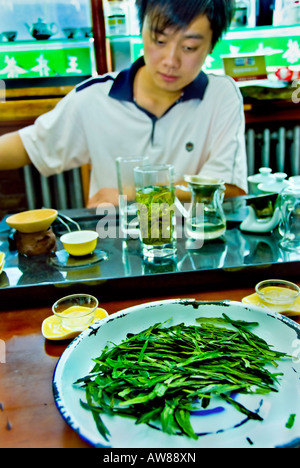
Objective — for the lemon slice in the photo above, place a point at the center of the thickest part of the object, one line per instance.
(2, 261)
(52, 329)
(288, 310)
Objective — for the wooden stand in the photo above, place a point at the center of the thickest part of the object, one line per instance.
(37, 243)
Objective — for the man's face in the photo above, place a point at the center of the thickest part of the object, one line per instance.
(174, 58)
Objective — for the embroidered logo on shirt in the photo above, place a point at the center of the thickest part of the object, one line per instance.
(189, 146)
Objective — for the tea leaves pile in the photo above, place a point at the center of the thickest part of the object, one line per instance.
(163, 373)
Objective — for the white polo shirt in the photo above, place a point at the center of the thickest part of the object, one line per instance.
(99, 121)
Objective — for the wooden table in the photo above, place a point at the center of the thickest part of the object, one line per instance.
(28, 415)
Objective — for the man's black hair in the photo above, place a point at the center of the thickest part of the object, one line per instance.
(179, 14)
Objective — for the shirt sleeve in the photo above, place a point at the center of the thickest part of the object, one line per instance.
(56, 142)
(227, 153)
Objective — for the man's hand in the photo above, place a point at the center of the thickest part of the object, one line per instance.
(233, 191)
(103, 197)
(184, 194)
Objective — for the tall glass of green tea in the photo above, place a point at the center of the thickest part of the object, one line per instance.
(155, 197)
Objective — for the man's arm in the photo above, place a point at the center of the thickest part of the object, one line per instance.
(233, 191)
(185, 195)
(105, 196)
(13, 154)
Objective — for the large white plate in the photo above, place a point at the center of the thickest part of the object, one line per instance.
(221, 429)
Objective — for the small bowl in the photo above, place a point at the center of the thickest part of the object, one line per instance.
(87, 32)
(71, 33)
(277, 292)
(295, 181)
(32, 221)
(263, 177)
(9, 36)
(76, 312)
(276, 186)
(80, 243)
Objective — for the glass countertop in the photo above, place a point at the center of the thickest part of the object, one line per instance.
(117, 270)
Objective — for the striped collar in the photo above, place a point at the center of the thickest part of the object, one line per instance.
(122, 88)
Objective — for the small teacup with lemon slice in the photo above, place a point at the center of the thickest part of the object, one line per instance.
(71, 316)
(277, 295)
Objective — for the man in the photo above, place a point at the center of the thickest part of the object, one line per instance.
(164, 107)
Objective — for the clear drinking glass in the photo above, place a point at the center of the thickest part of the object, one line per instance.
(289, 203)
(76, 312)
(155, 196)
(127, 195)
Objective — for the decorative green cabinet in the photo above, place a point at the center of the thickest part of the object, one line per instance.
(46, 59)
